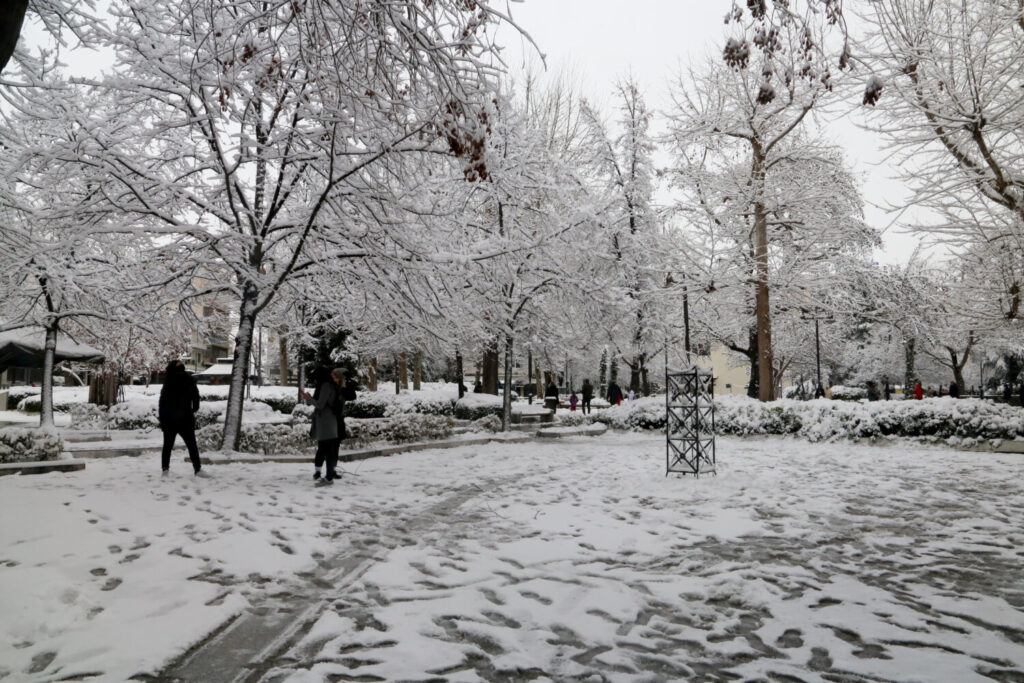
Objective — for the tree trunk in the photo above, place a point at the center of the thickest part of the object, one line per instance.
(506, 402)
(762, 308)
(240, 368)
(958, 376)
(282, 349)
(909, 376)
(634, 373)
(752, 386)
(490, 369)
(46, 393)
(403, 370)
(762, 303)
(371, 380)
(12, 16)
(538, 384)
(417, 371)
(459, 372)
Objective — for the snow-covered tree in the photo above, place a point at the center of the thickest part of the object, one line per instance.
(623, 160)
(245, 130)
(63, 265)
(953, 110)
(769, 206)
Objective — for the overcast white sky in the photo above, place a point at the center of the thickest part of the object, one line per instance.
(603, 40)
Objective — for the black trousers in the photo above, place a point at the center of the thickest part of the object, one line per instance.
(327, 450)
(188, 435)
(586, 406)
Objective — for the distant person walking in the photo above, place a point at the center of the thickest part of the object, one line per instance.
(954, 390)
(179, 401)
(588, 395)
(328, 424)
(614, 394)
(551, 397)
(918, 391)
(631, 395)
(1007, 393)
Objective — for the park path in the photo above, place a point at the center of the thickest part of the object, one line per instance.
(571, 560)
(248, 646)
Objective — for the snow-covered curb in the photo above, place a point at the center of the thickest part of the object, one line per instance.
(595, 429)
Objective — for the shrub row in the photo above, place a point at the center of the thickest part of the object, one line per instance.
(961, 421)
(276, 439)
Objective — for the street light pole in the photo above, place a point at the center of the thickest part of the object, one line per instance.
(817, 348)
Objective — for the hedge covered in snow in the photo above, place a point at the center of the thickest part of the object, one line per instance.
(29, 445)
(142, 413)
(575, 419)
(476, 406)
(839, 392)
(963, 421)
(277, 439)
(34, 404)
(382, 404)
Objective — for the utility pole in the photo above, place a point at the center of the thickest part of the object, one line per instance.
(816, 314)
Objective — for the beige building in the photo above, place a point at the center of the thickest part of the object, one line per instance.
(732, 371)
(210, 338)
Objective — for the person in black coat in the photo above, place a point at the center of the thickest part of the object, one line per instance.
(614, 394)
(551, 397)
(179, 401)
(954, 390)
(588, 394)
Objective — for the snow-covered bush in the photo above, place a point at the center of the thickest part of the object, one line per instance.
(487, 423)
(641, 414)
(370, 404)
(143, 413)
(29, 445)
(281, 404)
(277, 439)
(397, 429)
(745, 416)
(88, 416)
(137, 414)
(575, 419)
(475, 406)
(34, 404)
(841, 393)
(16, 395)
(945, 419)
(302, 412)
(262, 438)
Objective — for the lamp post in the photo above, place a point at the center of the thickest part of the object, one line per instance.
(816, 314)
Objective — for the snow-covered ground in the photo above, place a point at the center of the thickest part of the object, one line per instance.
(570, 559)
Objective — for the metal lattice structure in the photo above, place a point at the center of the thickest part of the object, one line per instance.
(690, 422)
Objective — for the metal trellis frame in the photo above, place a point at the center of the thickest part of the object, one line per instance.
(689, 422)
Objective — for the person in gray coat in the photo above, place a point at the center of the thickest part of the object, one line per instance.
(324, 428)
